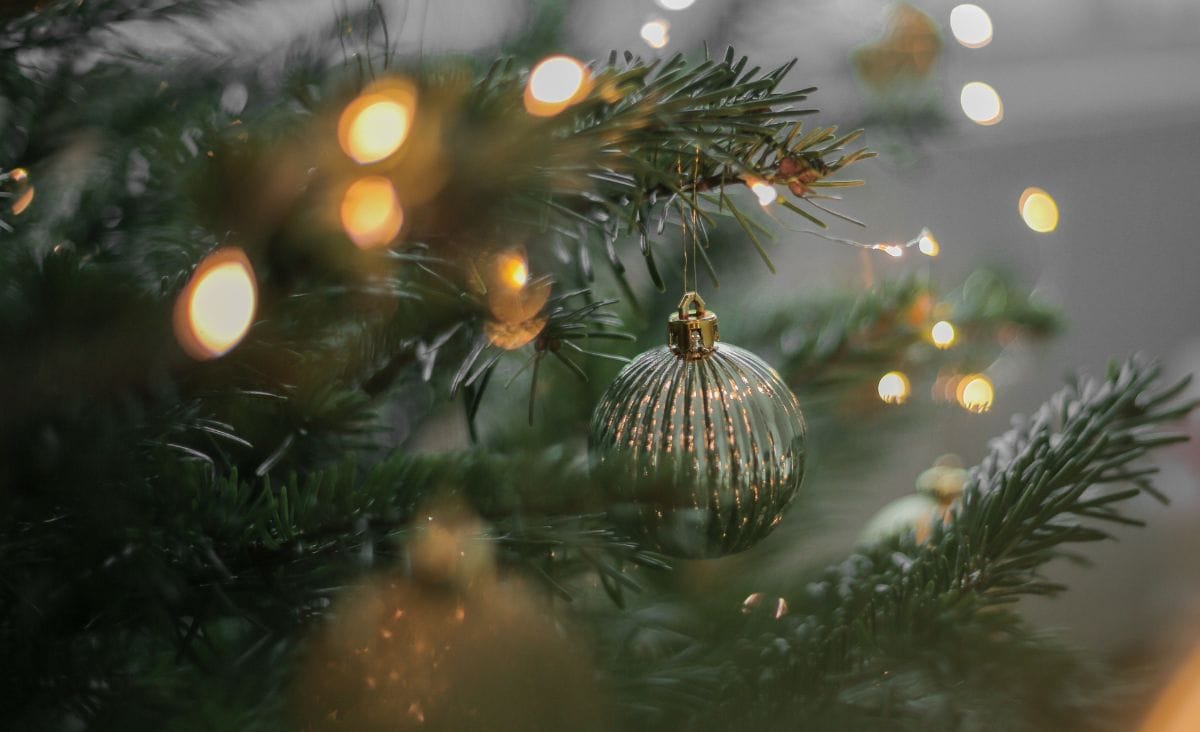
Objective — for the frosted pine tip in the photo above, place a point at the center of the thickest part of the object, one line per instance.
(216, 308)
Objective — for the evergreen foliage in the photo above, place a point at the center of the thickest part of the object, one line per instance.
(174, 530)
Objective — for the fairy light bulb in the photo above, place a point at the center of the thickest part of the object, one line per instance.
(892, 250)
(928, 244)
(554, 84)
(1039, 210)
(376, 123)
(676, 4)
(971, 25)
(981, 103)
(25, 190)
(894, 387)
(975, 393)
(370, 212)
(656, 33)
(942, 334)
(513, 269)
(765, 192)
(216, 308)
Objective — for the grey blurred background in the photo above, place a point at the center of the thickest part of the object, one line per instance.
(1101, 109)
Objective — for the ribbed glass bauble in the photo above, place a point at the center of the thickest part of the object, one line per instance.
(707, 443)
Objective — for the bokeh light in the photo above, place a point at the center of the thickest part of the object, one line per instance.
(942, 334)
(656, 33)
(764, 191)
(23, 195)
(894, 387)
(216, 308)
(1039, 210)
(512, 269)
(928, 244)
(555, 84)
(975, 393)
(971, 25)
(676, 4)
(981, 103)
(375, 124)
(370, 212)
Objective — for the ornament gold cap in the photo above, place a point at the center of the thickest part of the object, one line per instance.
(945, 481)
(692, 331)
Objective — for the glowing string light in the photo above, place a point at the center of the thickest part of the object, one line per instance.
(928, 244)
(216, 308)
(656, 33)
(375, 124)
(370, 212)
(942, 334)
(893, 387)
(981, 103)
(513, 269)
(975, 393)
(25, 189)
(765, 192)
(971, 25)
(554, 84)
(1039, 210)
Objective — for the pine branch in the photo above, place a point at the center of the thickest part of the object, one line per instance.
(1050, 482)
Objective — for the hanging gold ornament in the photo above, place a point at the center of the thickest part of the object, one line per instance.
(938, 490)
(710, 442)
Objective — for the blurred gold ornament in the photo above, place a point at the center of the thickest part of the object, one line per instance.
(939, 489)
(370, 212)
(511, 336)
(377, 122)
(710, 443)
(453, 648)
(554, 84)
(216, 307)
(1178, 707)
(907, 51)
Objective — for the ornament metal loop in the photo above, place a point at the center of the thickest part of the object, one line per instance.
(692, 331)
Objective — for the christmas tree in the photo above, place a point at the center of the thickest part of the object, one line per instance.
(323, 408)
